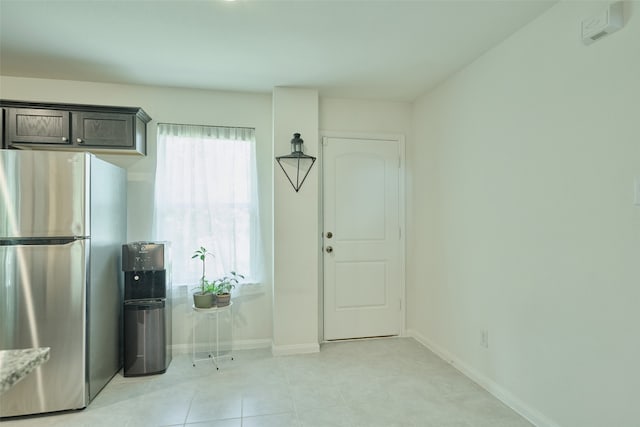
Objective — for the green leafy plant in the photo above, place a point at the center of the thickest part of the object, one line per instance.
(205, 285)
(224, 284)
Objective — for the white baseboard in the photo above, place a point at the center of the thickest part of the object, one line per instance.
(284, 350)
(251, 344)
(237, 345)
(281, 350)
(180, 349)
(499, 392)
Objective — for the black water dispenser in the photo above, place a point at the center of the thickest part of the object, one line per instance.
(147, 308)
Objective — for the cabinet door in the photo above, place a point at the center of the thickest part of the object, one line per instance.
(35, 126)
(103, 129)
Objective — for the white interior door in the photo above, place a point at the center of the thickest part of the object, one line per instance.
(361, 238)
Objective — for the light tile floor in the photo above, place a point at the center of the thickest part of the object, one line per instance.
(380, 382)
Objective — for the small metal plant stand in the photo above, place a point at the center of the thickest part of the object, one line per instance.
(211, 313)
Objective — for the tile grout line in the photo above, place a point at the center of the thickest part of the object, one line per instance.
(293, 401)
(241, 409)
(186, 417)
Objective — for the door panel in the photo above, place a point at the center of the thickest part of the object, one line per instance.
(357, 174)
(43, 194)
(37, 126)
(367, 285)
(43, 305)
(362, 256)
(103, 129)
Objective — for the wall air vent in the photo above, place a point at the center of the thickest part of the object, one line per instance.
(606, 22)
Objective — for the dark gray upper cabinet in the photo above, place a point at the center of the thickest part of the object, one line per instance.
(103, 129)
(117, 130)
(31, 125)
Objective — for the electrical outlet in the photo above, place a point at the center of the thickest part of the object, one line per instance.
(484, 338)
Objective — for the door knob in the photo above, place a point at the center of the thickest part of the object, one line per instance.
(329, 234)
(79, 140)
(329, 249)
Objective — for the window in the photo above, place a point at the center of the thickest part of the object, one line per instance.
(206, 195)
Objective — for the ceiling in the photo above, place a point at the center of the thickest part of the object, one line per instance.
(368, 49)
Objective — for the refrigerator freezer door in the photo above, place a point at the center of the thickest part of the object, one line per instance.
(42, 304)
(43, 194)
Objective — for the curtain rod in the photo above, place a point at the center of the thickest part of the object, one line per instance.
(207, 126)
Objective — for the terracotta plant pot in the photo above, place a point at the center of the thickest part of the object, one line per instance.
(204, 300)
(223, 300)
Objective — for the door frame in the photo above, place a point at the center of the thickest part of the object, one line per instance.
(378, 136)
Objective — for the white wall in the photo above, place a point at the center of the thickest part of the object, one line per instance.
(295, 235)
(365, 116)
(170, 105)
(525, 224)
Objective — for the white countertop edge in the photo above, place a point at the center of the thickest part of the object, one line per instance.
(17, 364)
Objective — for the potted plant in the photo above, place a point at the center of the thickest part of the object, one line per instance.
(205, 297)
(223, 287)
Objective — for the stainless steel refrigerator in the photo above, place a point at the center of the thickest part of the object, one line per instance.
(62, 224)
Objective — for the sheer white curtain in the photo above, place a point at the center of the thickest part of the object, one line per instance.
(206, 195)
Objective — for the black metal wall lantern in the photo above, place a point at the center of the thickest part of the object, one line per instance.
(297, 164)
